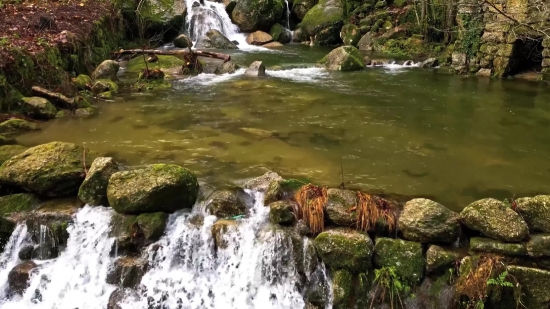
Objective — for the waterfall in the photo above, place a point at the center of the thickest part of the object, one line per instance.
(10, 257)
(76, 279)
(287, 16)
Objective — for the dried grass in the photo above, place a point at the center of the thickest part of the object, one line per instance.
(311, 201)
(474, 284)
(372, 209)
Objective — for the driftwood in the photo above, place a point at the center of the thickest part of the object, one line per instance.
(197, 53)
(54, 97)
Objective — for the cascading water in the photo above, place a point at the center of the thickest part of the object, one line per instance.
(10, 257)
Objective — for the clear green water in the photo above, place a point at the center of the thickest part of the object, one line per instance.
(412, 131)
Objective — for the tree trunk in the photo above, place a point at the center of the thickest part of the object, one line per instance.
(197, 53)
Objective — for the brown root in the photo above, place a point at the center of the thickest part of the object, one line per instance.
(311, 201)
(151, 74)
(372, 209)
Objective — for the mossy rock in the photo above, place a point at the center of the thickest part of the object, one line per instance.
(273, 193)
(108, 69)
(8, 151)
(220, 229)
(340, 207)
(400, 3)
(342, 248)
(344, 58)
(438, 259)
(493, 219)
(215, 39)
(38, 108)
(53, 169)
(301, 7)
(20, 202)
(158, 187)
(253, 15)
(342, 284)
(85, 112)
(151, 225)
(93, 190)
(539, 245)
(103, 85)
(350, 34)
(425, 221)
(536, 212)
(280, 34)
(137, 65)
(534, 285)
(323, 22)
(107, 95)
(15, 126)
(488, 245)
(127, 272)
(281, 212)
(6, 229)
(82, 82)
(61, 114)
(405, 256)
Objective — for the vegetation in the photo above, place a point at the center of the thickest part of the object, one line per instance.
(389, 287)
(373, 209)
(311, 201)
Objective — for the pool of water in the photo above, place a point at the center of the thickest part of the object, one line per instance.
(408, 131)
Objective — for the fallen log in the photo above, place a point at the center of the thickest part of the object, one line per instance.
(57, 99)
(198, 53)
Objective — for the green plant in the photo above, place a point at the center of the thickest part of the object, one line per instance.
(500, 280)
(389, 284)
(470, 41)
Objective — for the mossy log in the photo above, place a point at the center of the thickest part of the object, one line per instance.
(197, 53)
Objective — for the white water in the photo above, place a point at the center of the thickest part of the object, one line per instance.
(10, 257)
(287, 26)
(76, 279)
(300, 74)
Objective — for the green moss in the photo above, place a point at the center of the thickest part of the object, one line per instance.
(342, 288)
(137, 64)
(281, 212)
(488, 245)
(82, 81)
(102, 85)
(13, 126)
(8, 151)
(405, 256)
(318, 18)
(276, 31)
(17, 203)
(343, 248)
(470, 32)
(153, 224)
(107, 95)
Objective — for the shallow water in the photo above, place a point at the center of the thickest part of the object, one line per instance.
(407, 131)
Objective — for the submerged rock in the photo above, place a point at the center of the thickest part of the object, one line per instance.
(53, 169)
(215, 39)
(273, 45)
(182, 41)
(324, 21)
(108, 69)
(257, 68)
(493, 219)
(536, 212)
(425, 221)
(262, 183)
(252, 15)
(439, 259)
(273, 193)
(429, 63)
(280, 34)
(102, 86)
(26, 253)
(9, 151)
(16, 126)
(228, 67)
(539, 245)
(488, 245)
(18, 277)
(225, 204)
(38, 108)
(126, 272)
(93, 190)
(343, 248)
(134, 232)
(281, 212)
(258, 38)
(366, 43)
(159, 187)
(344, 58)
(350, 34)
(220, 229)
(405, 256)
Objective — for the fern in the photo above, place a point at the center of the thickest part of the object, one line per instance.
(501, 280)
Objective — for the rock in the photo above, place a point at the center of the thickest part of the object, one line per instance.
(220, 229)
(228, 67)
(299, 36)
(93, 190)
(126, 272)
(536, 212)
(318, 290)
(438, 260)
(405, 256)
(429, 63)
(53, 169)
(345, 58)
(9, 151)
(343, 248)
(273, 193)
(539, 245)
(38, 108)
(18, 277)
(82, 82)
(225, 203)
(108, 69)
(426, 221)
(350, 34)
(493, 219)
(215, 39)
(339, 207)
(273, 45)
(20, 202)
(262, 183)
(281, 212)
(280, 34)
(301, 7)
(366, 43)
(26, 253)
(158, 187)
(85, 112)
(323, 22)
(252, 15)
(133, 233)
(15, 126)
(6, 229)
(488, 245)
(107, 95)
(257, 68)
(119, 295)
(534, 285)
(182, 41)
(104, 85)
(341, 288)
(258, 38)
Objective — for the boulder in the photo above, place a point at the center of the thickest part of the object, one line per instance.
(323, 22)
(273, 193)
(225, 204)
(366, 43)
(273, 45)
(343, 248)
(6, 229)
(93, 190)
(20, 202)
(133, 233)
(108, 69)
(18, 277)
(493, 219)
(536, 212)
(280, 34)
(9, 151)
(438, 260)
(299, 36)
(429, 63)
(82, 82)
(119, 295)
(252, 15)
(281, 212)
(220, 229)
(350, 34)
(342, 285)
(257, 68)
(426, 221)
(228, 67)
(126, 272)
(488, 245)
(534, 286)
(301, 7)
(215, 39)
(26, 253)
(38, 108)
(258, 38)
(405, 256)
(104, 85)
(16, 126)
(339, 207)
(182, 41)
(344, 58)
(53, 169)
(262, 183)
(158, 187)
(539, 245)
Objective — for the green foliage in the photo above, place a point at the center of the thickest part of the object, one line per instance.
(500, 280)
(471, 34)
(392, 285)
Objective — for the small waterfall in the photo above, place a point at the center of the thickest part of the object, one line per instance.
(287, 26)
(76, 279)
(10, 257)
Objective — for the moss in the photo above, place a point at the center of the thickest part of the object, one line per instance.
(318, 18)
(137, 65)
(143, 85)
(82, 82)
(8, 151)
(17, 203)
(281, 212)
(405, 256)
(107, 95)
(13, 126)
(93, 190)
(342, 288)
(273, 193)
(345, 58)
(293, 184)
(102, 85)
(153, 224)
(276, 31)
(343, 248)
(488, 245)
(438, 260)
(60, 114)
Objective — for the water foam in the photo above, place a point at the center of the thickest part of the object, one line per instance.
(300, 74)
(10, 257)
